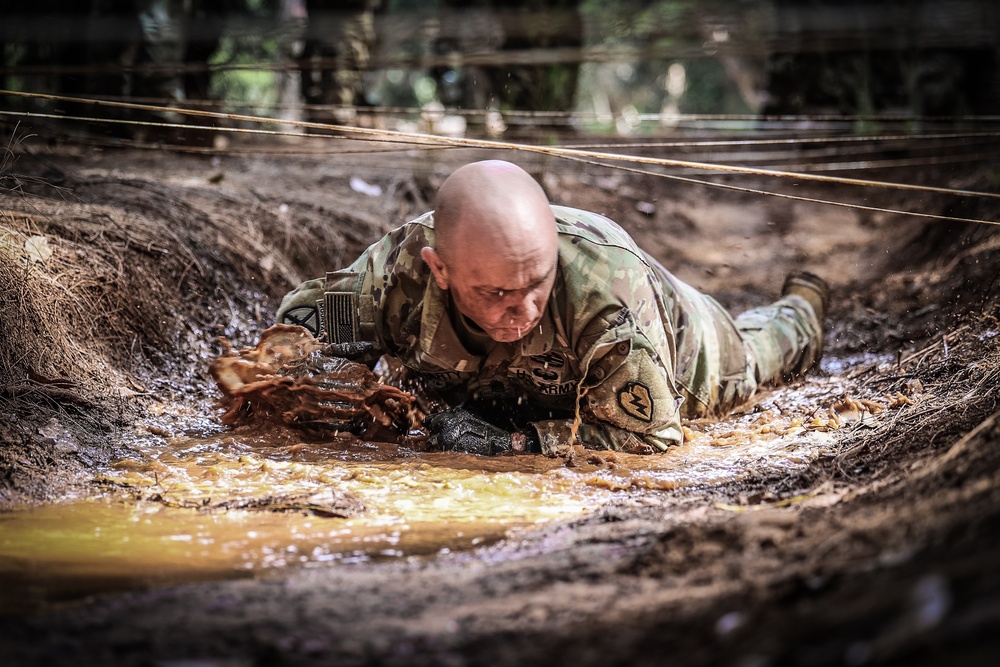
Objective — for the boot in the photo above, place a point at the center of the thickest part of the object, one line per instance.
(810, 287)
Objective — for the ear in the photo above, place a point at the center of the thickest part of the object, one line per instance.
(433, 260)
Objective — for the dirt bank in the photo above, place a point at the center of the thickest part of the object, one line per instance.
(121, 269)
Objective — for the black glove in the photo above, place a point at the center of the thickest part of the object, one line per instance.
(459, 430)
(364, 352)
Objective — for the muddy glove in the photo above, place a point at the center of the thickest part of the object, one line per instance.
(363, 352)
(459, 430)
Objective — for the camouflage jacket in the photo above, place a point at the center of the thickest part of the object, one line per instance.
(619, 350)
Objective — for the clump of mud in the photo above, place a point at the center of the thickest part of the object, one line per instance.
(286, 378)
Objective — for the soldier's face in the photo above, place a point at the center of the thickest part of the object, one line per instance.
(503, 290)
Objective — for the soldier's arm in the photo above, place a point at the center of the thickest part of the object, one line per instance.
(302, 305)
(628, 399)
(306, 304)
(361, 310)
(627, 402)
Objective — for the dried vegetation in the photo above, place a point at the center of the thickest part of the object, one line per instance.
(114, 288)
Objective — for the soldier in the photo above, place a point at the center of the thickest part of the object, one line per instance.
(545, 326)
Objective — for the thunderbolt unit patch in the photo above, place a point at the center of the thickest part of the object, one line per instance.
(635, 400)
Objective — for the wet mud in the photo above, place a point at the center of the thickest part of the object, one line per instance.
(211, 500)
(848, 518)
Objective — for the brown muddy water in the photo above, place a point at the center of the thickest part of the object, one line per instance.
(176, 520)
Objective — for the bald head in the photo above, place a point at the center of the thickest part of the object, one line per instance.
(490, 203)
(496, 247)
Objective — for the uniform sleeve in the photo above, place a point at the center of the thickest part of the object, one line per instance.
(301, 306)
(376, 295)
(304, 304)
(628, 398)
(628, 402)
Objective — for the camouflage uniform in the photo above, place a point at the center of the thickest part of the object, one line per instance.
(623, 352)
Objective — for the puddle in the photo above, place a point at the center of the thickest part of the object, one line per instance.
(415, 504)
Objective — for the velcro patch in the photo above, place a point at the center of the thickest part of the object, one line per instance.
(303, 316)
(635, 399)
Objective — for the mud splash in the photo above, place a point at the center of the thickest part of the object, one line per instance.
(286, 378)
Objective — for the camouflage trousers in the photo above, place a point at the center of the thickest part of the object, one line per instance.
(721, 360)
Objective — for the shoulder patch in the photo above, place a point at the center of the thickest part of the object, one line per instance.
(303, 316)
(635, 399)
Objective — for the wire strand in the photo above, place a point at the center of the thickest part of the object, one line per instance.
(782, 195)
(419, 138)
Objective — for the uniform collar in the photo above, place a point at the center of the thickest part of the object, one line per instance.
(441, 345)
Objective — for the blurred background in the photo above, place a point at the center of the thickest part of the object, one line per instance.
(526, 68)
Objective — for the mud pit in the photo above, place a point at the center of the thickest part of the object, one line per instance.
(852, 518)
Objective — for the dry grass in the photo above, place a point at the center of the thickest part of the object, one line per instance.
(959, 386)
(107, 278)
(66, 319)
(114, 288)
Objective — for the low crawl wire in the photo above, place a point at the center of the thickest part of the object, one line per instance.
(417, 138)
(483, 143)
(782, 195)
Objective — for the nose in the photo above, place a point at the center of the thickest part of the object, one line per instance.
(523, 310)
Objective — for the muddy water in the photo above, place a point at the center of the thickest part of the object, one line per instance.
(399, 503)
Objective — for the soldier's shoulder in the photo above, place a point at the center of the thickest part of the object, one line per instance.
(426, 220)
(601, 266)
(589, 232)
(421, 227)
(401, 246)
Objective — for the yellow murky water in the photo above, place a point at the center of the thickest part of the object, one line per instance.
(416, 504)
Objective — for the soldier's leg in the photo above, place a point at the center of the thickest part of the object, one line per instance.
(339, 38)
(785, 338)
(163, 39)
(715, 369)
(721, 361)
(353, 58)
(732, 378)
